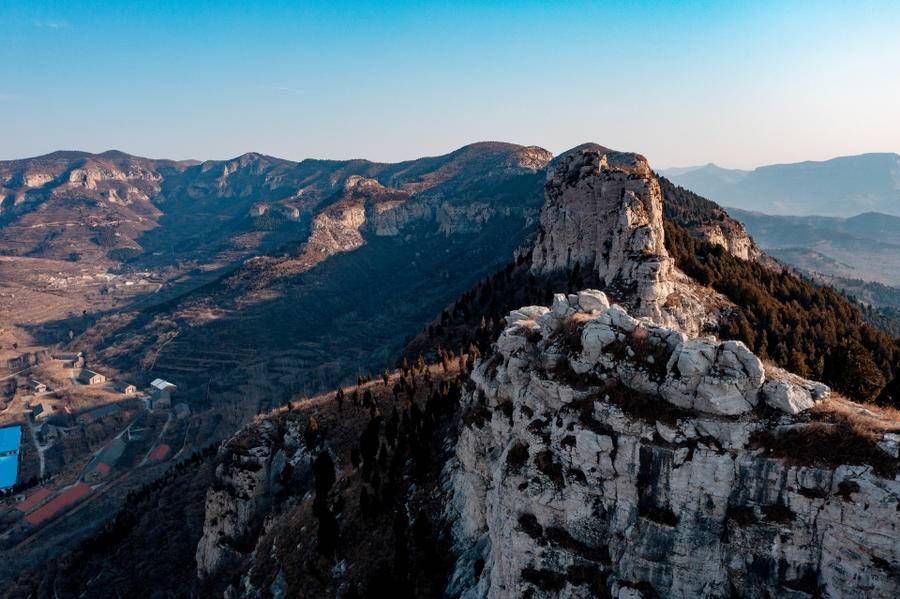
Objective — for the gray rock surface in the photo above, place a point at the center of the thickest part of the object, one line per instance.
(247, 478)
(603, 211)
(634, 474)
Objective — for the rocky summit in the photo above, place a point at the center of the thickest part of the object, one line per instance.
(391, 356)
(607, 444)
(603, 212)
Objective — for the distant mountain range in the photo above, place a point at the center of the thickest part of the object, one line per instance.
(860, 255)
(840, 187)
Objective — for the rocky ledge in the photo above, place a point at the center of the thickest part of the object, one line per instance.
(604, 455)
(254, 466)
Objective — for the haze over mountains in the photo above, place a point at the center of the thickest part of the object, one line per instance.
(842, 187)
(865, 247)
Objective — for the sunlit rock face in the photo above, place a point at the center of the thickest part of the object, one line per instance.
(603, 212)
(606, 455)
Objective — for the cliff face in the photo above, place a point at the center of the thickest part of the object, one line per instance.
(256, 465)
(368, 209)
(616, 457)
(603, 211)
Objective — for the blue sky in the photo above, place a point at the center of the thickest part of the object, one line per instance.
(740, 84)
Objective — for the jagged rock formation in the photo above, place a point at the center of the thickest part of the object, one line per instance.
(263, 538)
(610, 456)
(603, 212)
(736, 243)
(248, 477)
(600, 454)
(707, 221)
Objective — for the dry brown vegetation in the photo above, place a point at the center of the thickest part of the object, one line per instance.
(867, 419)
(838, 432)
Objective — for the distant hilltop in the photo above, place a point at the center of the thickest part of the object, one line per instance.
(843, 186)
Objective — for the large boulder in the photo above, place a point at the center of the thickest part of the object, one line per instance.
(792, 394)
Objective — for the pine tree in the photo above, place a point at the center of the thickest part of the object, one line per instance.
(311, 435)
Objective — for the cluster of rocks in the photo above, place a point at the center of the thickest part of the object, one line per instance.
(606, 455)
(706, 375)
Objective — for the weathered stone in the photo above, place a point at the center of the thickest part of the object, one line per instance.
(688, 508)
(603, 212)
(560, 307)
(791, 393)
(590, 300)
(890, 444)
(526, 313)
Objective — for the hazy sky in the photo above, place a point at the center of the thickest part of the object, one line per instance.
(740, 84)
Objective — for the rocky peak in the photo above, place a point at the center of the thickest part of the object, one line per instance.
(603, 211)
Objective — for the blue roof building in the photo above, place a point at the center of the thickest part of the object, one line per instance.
(10, 437)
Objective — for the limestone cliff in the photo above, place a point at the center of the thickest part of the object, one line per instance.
(616, 457)
(257, 463)
(603, 211)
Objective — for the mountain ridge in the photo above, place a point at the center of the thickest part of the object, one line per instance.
(842, 186)
(570, 473)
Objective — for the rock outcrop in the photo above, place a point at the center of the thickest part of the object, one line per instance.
(605, 455)
(733, 237)
(603, 212)
(250, 474)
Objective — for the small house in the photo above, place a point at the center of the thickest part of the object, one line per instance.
(127, 389)
(182, 411)
(89, 377)
(161, 394)
(37, 386)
